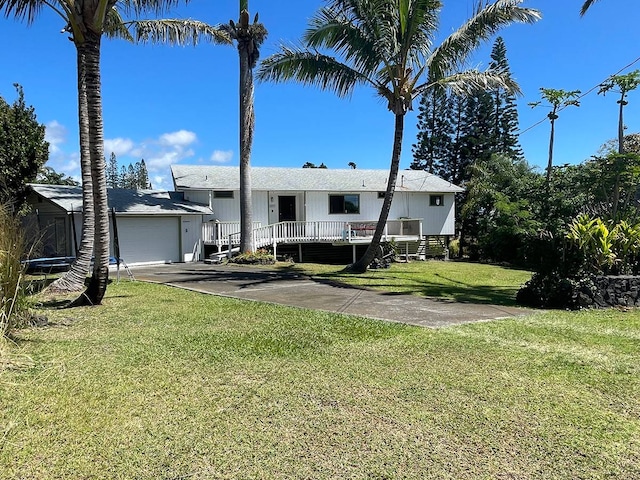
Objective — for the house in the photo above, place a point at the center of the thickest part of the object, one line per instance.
(153, 226)
(304, 211)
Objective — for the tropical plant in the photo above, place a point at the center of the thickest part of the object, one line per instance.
(389, 45)
(596, 240)
(557, 100)
(248, 37)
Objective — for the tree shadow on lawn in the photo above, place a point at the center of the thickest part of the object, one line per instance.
(454, 290)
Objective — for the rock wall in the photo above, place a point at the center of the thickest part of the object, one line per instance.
(610, 291)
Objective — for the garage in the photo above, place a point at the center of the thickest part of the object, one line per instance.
(153, 226)
(149, 239)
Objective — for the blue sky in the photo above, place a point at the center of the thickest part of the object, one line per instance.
(180, 104)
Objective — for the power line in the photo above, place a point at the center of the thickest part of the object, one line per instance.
(581, 95)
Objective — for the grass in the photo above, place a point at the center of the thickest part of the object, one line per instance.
(459, 281)
(161, 383)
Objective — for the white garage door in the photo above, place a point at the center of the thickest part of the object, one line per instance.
(149, 239)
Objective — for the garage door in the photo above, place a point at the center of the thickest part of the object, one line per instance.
(149, 239)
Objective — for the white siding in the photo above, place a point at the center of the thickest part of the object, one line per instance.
(438, 220)
(318, 207)
(197, 196)
(149, 239)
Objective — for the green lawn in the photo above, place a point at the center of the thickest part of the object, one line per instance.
(460, 281)
(160, 383)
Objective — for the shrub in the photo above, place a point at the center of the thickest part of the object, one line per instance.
(13, 304)
(259, 257)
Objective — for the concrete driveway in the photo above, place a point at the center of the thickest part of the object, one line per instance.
(294, 289)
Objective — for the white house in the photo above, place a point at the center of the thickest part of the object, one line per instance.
(309, 207)
(153, 226)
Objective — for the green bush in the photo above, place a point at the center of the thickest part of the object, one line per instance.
(13, 300)
(259, 257)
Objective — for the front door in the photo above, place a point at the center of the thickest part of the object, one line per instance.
(286, 208)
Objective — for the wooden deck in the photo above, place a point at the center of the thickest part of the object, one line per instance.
(223, 234)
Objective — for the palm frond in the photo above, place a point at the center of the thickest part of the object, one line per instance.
(22, 9)
(115, 26)
(340, 28)
(157, 7)
(310, 68)
(470, 81)
(586, 6)
(454, 50)
(178, 32)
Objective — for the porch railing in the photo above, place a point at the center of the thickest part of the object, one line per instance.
(226, 233)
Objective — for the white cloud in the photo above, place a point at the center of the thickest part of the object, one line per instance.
(55, 134)
(181, 138)
(164, 159)
(221, 156)
(119, 146)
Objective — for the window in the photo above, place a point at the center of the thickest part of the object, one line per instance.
(382, 194)
(436, 200)
(344, 203)
(223, 194)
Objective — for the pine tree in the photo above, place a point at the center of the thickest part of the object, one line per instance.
(506, 122)
(122, 182)
(112, 172)
(434, 131)
(142, 176)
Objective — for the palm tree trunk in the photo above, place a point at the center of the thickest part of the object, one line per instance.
(363, 263)
(247, 123)
(74, 279)
(100, 275)
(550, 164)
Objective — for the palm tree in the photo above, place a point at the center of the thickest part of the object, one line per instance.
(87, 21)
(621, 84)
(388, 45)
(248, 37)
(557, 100)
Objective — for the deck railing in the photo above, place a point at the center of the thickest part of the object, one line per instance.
(226, 233)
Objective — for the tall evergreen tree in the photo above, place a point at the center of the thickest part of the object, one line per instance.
(112, 172)
(506, 122)
(434, 131)
(142, 175)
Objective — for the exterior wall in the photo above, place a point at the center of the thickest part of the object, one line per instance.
(197, 196)
(314, 206)
(318, 207)
(228, 209)
(437, 220)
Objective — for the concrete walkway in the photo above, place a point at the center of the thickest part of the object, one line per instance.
(298, 290)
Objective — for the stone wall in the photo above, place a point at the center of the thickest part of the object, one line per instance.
(611, 291)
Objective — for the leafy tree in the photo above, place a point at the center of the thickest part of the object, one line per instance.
(313, 165)
(498, 208)
(557, 100)
(23, 150)
(387, 44)
(248, 37)
(48, 176)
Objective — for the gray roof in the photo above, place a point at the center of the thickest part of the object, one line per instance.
(128, 202)
(193, 177)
